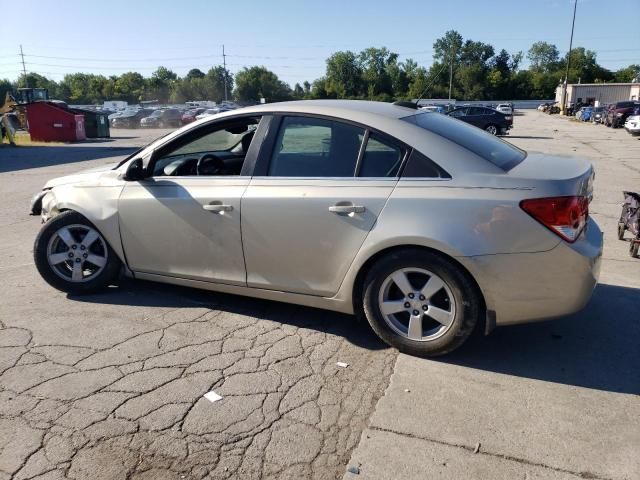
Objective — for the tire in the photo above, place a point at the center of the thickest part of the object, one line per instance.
(457, 300)
(161, 124)
(621, 229)
(63, 239)
(492, 129)
(634, 246)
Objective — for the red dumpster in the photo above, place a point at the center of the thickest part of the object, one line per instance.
(49, 122)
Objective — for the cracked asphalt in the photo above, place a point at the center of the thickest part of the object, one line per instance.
(110, 386)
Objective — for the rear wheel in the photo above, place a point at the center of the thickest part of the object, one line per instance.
(72, 256)
(420, 303)
(492, 129)
(634, 246)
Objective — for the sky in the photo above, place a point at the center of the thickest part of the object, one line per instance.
(293, 38)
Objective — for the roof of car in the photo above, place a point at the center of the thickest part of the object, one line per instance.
(336, 108)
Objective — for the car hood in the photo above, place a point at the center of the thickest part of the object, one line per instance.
(83, 176)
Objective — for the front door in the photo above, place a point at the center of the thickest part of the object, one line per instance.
(322, 186)
(184, 220)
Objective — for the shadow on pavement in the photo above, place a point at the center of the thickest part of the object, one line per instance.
(598, 348)
(145, 294)
(26, 157)
(529, 137)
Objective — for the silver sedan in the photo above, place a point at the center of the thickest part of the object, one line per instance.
(428, 227)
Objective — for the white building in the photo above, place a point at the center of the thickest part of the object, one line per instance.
(599, 93)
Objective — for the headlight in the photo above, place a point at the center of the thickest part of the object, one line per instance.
(619, 114)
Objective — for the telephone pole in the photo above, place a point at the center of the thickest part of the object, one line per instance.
(563, 97)
(450, 74)
(224, 64)
(24, 69)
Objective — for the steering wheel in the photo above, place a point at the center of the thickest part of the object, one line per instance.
(210, 164)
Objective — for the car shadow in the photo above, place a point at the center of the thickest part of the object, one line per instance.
(529, 137)
(150, 294)
(598, 348)
(27, 157)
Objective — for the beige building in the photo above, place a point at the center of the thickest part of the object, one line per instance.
(599, 93)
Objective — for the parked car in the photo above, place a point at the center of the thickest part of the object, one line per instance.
(190, 115)
(208, 112)
(164, 118)
(505, 108)
(492, 121)
(433, 108)
(131, 119)
(618, 113)
(632, 125)
(598, 114)
(584, 114)
(276, 181)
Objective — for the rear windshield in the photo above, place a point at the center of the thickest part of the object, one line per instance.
(502, 154)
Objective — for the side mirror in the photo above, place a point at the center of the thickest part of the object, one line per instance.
(135, 171)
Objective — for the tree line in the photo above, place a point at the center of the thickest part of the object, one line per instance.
(477, 72)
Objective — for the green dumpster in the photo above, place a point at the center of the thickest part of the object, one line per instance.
(96, 124)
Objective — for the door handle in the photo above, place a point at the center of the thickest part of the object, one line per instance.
(346, 209)
(218, 207)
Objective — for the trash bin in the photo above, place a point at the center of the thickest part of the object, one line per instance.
(96, 124)
(51, 122)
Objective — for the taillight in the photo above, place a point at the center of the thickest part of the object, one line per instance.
(564, 216)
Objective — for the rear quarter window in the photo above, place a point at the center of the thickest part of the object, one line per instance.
(494, 150)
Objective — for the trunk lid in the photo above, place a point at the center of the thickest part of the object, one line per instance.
(555, 175)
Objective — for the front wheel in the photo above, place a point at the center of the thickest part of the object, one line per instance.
(420, 303)
(492, 129)
(72, 256)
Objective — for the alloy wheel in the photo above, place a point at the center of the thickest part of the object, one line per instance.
(77, 253)
(417, 304)
(492, 129)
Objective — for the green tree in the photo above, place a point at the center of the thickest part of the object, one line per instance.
(195, 73)
(5, 87)
(130, 87)
(298, 92)
(628, 74)
(543, 57)
(161, 84)
(344, 75)
(375, 63)
(254, 83)
(216, 77)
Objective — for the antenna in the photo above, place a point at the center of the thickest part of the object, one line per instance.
(224, 65)
(444, 65)
(24, 69)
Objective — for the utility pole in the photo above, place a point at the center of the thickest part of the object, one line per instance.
(450, 74)
(563, 97)
(224, 64)
(24, 69)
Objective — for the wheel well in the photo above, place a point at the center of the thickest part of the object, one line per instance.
(364, 269)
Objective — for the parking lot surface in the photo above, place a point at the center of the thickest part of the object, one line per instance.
(111, 386)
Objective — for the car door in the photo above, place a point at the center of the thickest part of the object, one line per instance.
(317, 191)
(479, 117)
(184, 221)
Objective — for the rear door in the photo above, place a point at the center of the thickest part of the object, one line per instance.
(317, 191)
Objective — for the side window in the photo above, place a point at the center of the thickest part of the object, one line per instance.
(315, 147)
(381, 158)
(207, 151)
(459, 113)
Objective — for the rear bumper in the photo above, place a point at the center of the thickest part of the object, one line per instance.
(527, 287)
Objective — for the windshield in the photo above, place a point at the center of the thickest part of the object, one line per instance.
(500, 153)
(125, 160)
